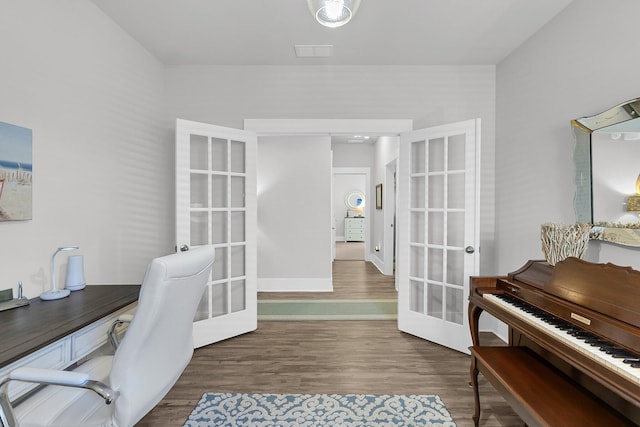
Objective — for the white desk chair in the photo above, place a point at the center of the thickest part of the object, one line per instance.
(119, 390)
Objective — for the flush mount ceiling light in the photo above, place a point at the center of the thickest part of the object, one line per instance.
(333, 13)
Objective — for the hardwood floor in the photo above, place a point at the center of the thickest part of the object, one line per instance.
(333, 357)
(351, 280)
(349, 251)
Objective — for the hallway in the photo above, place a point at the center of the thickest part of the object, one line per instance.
(351, 280)
(349, 251)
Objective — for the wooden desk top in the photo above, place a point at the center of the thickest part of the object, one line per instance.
(26, 329)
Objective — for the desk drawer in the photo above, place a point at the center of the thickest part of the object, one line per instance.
(53, 356)
(94, 336)
(63, 353)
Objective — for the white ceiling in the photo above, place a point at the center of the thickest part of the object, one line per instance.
(383, 32)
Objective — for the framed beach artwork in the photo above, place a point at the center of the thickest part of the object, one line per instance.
(16, 172)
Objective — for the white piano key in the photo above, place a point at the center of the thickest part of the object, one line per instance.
(594, 353)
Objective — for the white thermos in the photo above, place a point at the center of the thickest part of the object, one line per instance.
(75, 273)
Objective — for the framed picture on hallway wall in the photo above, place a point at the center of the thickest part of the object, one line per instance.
(379, 196)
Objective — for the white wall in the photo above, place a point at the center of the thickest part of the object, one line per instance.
(103, 145)
(102, 154)
(102, 149)
(294, 213)
(353, 155)
(581, 63)
(428, 95)
(387, 150)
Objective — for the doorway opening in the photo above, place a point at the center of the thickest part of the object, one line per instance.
(360, 292)
(350, 213)
(355, 282)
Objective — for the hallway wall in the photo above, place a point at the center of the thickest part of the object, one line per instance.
(294, 205)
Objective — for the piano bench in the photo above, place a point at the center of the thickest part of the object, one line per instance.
(539, 393)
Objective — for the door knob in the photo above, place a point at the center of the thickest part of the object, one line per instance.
(184, 248)
(469, 249)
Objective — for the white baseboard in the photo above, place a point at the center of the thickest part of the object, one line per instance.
(373, 259)
(496, 333)
(488, 323)
(301, 284)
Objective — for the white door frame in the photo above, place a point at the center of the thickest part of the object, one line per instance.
(389, 127)
(389, 197)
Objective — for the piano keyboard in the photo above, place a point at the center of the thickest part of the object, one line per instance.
(604, 353)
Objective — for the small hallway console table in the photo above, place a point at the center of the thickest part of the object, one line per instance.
(354, 229)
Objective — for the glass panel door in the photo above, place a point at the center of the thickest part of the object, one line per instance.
(438, 198)
(216, 205)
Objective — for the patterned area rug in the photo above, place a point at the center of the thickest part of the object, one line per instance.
(318, 410)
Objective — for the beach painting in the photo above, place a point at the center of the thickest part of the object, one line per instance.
(16, 172)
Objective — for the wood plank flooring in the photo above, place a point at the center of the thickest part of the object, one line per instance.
(334, 357)
(349, 251)
(351, 280)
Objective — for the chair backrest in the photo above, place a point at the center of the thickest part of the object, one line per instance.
(158, 343)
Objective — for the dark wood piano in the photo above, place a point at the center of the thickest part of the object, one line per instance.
(573, 356)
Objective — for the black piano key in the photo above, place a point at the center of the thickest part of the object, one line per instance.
(583, 337)
(617, 351)
(580, 334)
(620, 356)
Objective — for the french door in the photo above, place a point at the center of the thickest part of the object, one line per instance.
(438, 213)
(216, 199)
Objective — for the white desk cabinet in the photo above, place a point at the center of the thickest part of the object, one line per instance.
(58, 334)
(354, 229)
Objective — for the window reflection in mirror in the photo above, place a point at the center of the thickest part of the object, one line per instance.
(607, 162)
(615, 169)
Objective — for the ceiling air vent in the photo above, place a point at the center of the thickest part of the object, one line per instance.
(314, 50)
